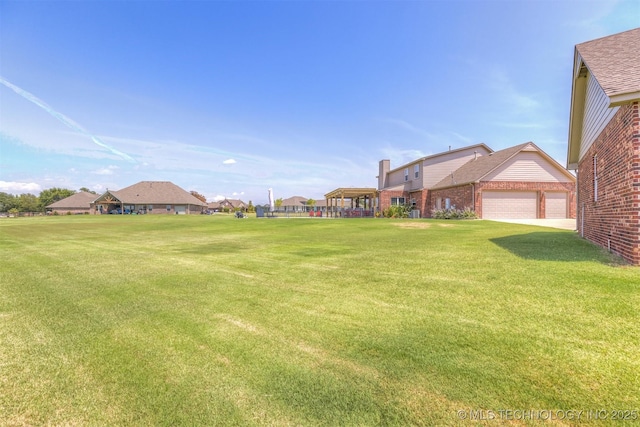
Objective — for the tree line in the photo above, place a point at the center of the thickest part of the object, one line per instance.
(10, 203)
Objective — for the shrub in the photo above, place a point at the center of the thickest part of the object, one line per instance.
(397, 211)
(466, 213)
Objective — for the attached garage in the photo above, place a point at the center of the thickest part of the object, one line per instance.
(555, 205)
(509, 204)
(181, 209)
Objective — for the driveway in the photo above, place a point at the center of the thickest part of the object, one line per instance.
(565, 224)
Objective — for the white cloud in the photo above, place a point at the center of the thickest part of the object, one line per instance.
(109, 170)
(19, 187)
(218, 198)
(229, 162)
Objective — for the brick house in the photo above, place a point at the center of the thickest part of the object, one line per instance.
(604, 141)
(517, 182)
(78, 203)
(411, 182)
(149, 197)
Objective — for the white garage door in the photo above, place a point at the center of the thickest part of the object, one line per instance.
(181, 209)
(555, 205)
(509, 204)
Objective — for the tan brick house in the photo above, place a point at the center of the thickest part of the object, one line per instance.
(604, 141)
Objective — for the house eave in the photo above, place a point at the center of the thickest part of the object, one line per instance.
(623, 98)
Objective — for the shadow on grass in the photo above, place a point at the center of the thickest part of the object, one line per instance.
(553, 246)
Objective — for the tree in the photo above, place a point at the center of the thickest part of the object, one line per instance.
(52, 195)
(199, 196)
(250, 207)
(86, 190)
(28, 203)
(311, 203)
(278, 203)
(7, 202)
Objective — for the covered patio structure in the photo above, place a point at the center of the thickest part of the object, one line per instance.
(362, 202)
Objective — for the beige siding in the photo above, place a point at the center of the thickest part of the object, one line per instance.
(528, 167)
(509, 204)
(596, 114)
(555, 205)
(435, 169)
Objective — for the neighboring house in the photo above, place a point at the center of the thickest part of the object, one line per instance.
(232, 205)
(77, 203)
(604, 141)
(214, 207)
(517, 182)
(410, 183)
(150, 197)
(293, 204)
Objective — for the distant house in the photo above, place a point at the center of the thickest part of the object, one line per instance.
(604, 141)
(518, 182)
(150, 197)
(232, 205)
(294, 204)
(77, 203)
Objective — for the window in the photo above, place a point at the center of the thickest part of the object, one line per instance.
(447, 203)
(168, 208)
(397, 201)
(416, 171)
(406, 174)
(150, 207)
(595, 178)
(439, 203)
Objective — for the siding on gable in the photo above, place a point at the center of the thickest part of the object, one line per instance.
(437, 168)
(596, 114)
(527, 166)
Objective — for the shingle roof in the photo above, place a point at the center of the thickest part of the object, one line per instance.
(156, 192)
(614, 61)
(81, 200)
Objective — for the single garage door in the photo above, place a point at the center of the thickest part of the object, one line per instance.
(555, 205)
(181, 209)
(509, 204)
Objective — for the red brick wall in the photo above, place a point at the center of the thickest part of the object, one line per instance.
(613, 220)
(461, 197)
(421, 198)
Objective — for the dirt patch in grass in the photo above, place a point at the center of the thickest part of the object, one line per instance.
(412, 225)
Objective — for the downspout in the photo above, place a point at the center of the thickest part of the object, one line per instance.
(473, 196)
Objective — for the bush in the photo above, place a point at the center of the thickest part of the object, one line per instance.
(397, 211)
(466, 213)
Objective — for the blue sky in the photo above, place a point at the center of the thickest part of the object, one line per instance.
(232, 98)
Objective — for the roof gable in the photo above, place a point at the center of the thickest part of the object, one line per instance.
(475, 170)
(614, 61)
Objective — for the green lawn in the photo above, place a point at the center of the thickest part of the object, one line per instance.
(211, 320)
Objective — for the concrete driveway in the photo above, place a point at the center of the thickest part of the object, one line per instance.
(565, 224)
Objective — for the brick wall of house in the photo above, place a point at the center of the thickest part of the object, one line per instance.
(613, 220)
(422, 202)
(461, 197)
(386, 195)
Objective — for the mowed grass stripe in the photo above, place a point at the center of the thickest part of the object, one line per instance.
(165, 320)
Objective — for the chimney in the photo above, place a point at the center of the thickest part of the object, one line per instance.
(475, 155)
(383, 171)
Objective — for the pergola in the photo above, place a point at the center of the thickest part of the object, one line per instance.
(368, 196)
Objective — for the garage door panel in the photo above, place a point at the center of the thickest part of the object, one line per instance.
(555, 205)
(509, 204)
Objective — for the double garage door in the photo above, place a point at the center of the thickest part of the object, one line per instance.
(522, 204)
